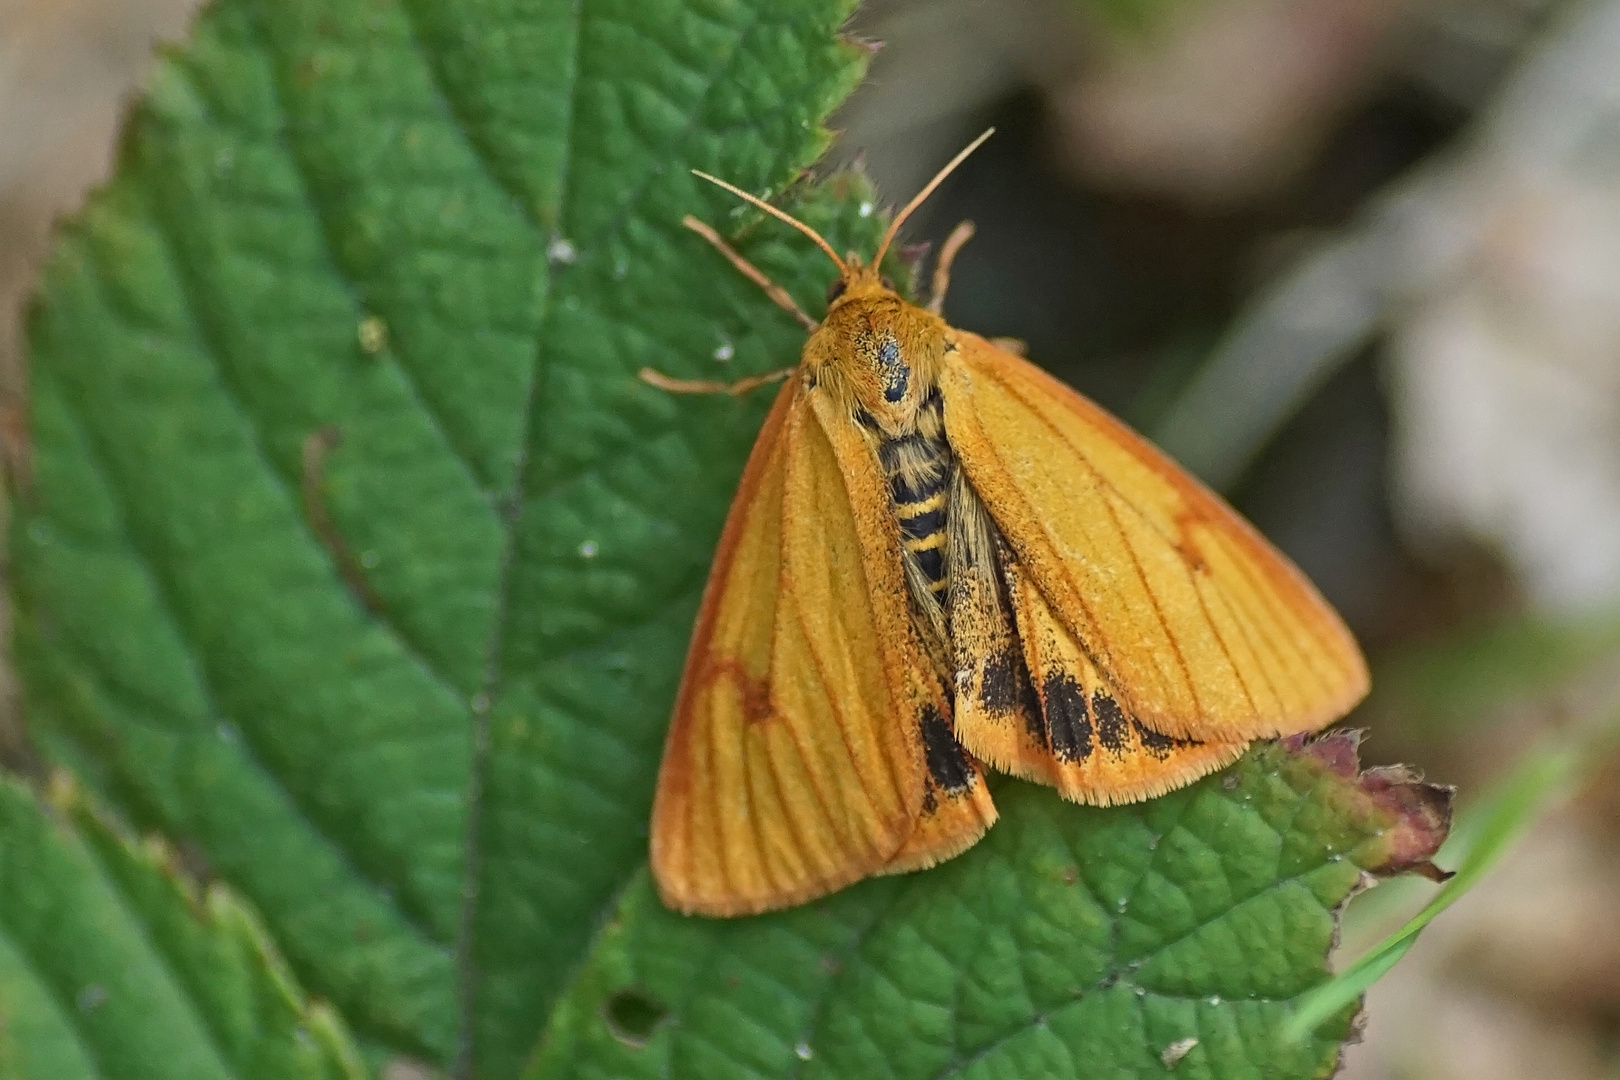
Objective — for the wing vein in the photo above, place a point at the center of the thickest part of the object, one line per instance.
(1243, 629)
(1309, 656)
(750, 809)
(1080, 453)
(839, 715)
(786, 593)
(1152, 594)
(722, 866)
(773, 774)
(1220, 638)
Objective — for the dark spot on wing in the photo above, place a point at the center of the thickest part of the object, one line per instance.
(1067, 725)
(1028, 700)
(1157, 744)
(1005, 689)
(1111, 723)
(755, 692)
(998, 688)
(947, 761)
(1030, 705)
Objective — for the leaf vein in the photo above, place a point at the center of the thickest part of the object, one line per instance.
(163, 590)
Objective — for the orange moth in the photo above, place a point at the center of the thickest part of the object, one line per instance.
(940, 558)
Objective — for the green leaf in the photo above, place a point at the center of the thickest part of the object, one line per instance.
(355, 554)
(1070, 942)
(111, 964)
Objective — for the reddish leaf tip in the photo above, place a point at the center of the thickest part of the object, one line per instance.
(1418, 813)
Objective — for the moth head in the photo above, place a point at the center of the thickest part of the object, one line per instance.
(857, 280)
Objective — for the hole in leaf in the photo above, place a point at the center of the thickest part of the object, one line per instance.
(632, 1017)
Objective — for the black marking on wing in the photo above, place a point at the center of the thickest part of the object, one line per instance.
(947, 762)
(1067, 723)
(998, 689)
(1156, 743)
(1005, 688)
(1022, 683)
(1034, 718)
(1111, 722)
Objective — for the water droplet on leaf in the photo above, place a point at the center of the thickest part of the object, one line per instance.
(373, 335)
(561, 251)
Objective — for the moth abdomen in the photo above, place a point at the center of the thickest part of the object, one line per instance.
(922, 535)
(920, 467)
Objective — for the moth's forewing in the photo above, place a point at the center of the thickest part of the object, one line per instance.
(1198, 626)
(954, 807)
(796, 762)
(783, 778)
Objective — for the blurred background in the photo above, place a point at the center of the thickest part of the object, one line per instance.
(1357, 263)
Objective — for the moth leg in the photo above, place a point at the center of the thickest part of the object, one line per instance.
(751, 272)
(709, 386)
(942, 267)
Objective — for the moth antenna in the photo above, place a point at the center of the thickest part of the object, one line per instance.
(780, 215)
(917, 200)
(942, 267)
